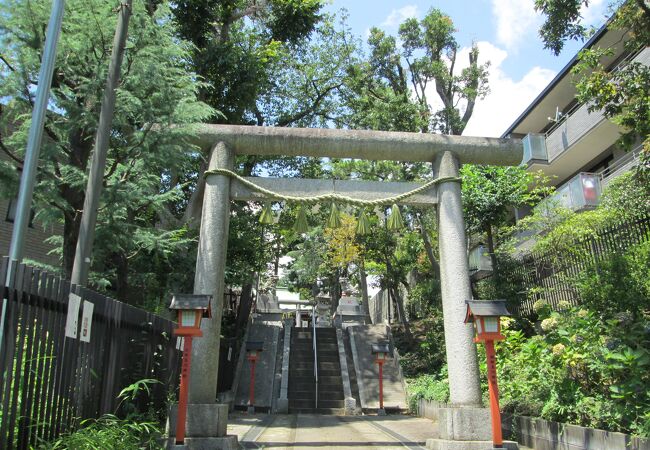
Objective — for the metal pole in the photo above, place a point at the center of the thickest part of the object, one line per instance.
(181, 414)
(493, 388)
(26, 192)
(98, 164)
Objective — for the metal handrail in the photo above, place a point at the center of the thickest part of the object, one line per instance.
(313, 324)
(630, 159)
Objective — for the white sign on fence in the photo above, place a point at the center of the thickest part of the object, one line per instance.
(74, 301)
(86, 321)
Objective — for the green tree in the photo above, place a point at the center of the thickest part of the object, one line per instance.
(238, 42)
(156, 88)
(391, 87)
(490, 193)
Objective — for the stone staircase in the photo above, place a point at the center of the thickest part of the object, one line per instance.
(302, 388)
(367, 373)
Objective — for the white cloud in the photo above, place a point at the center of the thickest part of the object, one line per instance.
(397, 16)
(508, 98)
(515, 20)
(595, 14)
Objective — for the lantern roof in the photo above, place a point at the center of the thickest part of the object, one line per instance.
(254, 345)
(382, 347)
(192, 301)
(485, 308)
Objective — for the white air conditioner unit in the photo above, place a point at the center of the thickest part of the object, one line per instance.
(534, 148)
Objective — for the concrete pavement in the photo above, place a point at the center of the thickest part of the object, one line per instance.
(309, 431)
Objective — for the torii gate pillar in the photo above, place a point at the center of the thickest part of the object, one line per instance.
(464, 386)
(206, 419)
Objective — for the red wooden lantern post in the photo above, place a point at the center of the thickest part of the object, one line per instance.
(381, 352)
(485, 314)
(191, 309)
(253, 349)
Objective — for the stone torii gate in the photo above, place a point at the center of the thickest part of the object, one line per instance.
(206, 419)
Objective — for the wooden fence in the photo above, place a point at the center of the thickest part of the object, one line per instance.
(551, 274)
(50, 381)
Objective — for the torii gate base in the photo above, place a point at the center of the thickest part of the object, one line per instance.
(464, 421)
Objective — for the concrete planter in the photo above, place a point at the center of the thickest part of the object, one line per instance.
(545, 435)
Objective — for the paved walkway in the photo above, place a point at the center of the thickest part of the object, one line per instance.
(308, 431)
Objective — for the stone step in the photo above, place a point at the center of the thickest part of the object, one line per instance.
(323, 411)
(321, 403)
(310, 372)
(324, 380)
(330, 392)
(311, 386)
(332, 365)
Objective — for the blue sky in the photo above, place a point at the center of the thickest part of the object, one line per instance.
(507, 34)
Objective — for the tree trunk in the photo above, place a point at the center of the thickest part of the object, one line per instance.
(365, 301)
(71, 225)
(335, 291)
(493, 256)
(121, 264)
(402, 315)
(245, 305)
(192, 215)
(435, 266)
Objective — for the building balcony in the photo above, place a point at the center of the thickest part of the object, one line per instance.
(580, 192)
(620, 166)
(577, 137)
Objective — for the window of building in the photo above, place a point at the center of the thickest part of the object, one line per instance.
(11, 213)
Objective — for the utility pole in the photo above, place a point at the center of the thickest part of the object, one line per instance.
(83, 251)
(26, 191)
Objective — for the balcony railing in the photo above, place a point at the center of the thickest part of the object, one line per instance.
(580, 192)
(620, 166)
(572, 125)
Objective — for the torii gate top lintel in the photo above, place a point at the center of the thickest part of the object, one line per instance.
(360, 144)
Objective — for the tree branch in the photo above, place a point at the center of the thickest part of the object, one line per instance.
(2, 58)
(11, 154)
(302, 114)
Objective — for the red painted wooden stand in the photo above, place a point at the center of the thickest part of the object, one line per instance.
(251, 390)
(493, 388)
(185, 380)
(381, 383)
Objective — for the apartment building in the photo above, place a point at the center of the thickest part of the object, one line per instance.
(574, 147)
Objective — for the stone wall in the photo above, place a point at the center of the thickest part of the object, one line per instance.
(545, 435)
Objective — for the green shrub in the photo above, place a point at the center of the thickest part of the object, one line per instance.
(628, 195)
(618, 283)
(582, 369)
(138, 430)
(428, 387)
(426, 354)
(108, 433)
